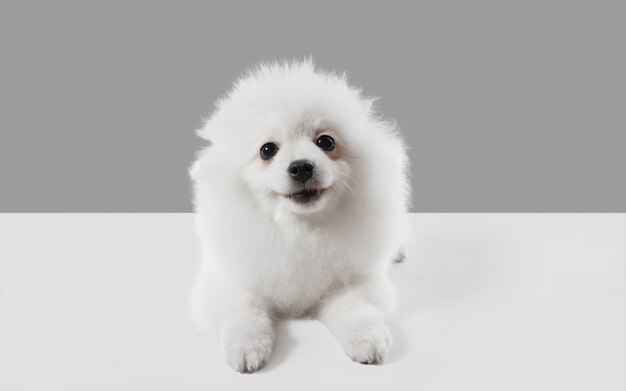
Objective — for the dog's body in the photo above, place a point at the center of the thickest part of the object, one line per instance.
(305, 227)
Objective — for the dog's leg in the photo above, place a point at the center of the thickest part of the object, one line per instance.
(356, 316)
(245, 327)
(247, 338)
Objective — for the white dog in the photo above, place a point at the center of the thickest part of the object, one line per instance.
(301, 201)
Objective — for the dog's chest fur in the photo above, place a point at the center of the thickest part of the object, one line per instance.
(297, 265)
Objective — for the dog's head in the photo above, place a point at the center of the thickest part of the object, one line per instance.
(301, 140)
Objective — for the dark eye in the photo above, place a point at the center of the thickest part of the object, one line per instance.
(268, 151)
(326, 143)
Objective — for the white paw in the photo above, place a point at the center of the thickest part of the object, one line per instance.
(247, 341)
(369, 345)
(250, 354)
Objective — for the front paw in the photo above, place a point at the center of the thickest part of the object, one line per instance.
(249, 354)
(247, 341)
(368, 345)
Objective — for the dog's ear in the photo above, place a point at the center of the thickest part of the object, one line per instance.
(369, 104)
(203, 134)
(205, 131)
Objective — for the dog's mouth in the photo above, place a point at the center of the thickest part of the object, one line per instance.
(305, 196)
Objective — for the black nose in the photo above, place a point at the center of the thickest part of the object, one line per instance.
(301, 170)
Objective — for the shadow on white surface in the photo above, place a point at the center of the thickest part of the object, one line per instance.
(284, 346)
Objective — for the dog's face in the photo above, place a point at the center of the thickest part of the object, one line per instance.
(301, 169)
(302, 141)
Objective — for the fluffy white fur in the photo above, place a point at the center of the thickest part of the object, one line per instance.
(266, 257)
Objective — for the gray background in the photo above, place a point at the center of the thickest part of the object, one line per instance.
(507, 107)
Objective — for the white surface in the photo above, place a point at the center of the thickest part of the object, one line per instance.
(487, 301)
